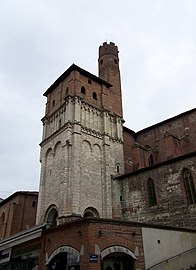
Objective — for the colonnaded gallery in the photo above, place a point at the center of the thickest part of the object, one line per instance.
(109, 198)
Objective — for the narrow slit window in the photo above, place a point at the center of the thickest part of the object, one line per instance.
(117, 167)
(151, 160)
(60, 123)
(34, 203)
(189, 186)
(152, 200)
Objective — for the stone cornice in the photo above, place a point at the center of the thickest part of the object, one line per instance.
(60, 130)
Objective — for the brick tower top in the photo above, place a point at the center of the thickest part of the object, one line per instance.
(110, 72)
(110, 48)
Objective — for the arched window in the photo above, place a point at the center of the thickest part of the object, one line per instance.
(91, 212)
(51, 217)
(117, 167)
(83, 90)
(88, 214)
(152, 200)
(94, 95)
(189, 186)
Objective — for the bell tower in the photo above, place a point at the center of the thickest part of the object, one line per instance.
(82, 143)
(109, 71)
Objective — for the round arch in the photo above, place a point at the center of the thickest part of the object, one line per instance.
(117, 258)
(115, 249)
(48, 152)
(57, 145)
(64, 257)
(91, 212)
(51, 215)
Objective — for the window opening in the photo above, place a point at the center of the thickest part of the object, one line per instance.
(89, 81)
(53, 103)
(118, 168)
(33, 203)
(91, 212)
(88, 214)
(151, 160)
(52, 217)
(60, 123)
(189, 186)
(83, 90)
(94, 95)
(151, 192)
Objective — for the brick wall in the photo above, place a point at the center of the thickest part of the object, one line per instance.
(20, 212)
(169, 139)
(92, 237)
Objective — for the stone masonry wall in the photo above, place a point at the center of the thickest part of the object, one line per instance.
(78, 159)
(172, 206)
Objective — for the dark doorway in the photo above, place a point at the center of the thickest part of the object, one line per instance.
(117, 261)
(65, 261)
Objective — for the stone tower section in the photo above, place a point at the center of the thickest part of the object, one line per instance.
(81, 148)
(110, 72)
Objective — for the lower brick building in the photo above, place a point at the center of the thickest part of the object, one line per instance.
(90, 243)
(17, 213)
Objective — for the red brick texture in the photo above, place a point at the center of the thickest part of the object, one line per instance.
(88, 233)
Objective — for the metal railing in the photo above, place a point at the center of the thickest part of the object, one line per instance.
(167, 261)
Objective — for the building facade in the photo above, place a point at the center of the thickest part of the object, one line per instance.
(17, 213)
(160, 179)
(109, 198)
(94, 166)
(82, 143)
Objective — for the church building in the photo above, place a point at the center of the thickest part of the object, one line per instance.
(109, 198)
(93, 166)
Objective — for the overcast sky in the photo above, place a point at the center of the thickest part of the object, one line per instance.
(40, 39)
